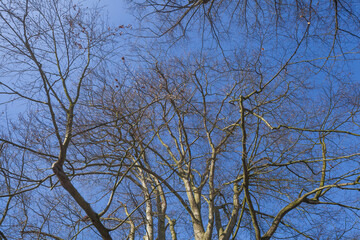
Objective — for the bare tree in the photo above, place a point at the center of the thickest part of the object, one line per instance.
(49, 48)
(250, 155)
(290, 90)
(246, 132)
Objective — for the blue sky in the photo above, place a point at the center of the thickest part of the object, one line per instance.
(118, 15)
(117, 10)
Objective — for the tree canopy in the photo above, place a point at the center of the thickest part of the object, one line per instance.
(202, 120)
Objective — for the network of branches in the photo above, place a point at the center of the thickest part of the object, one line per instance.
(205, 119)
